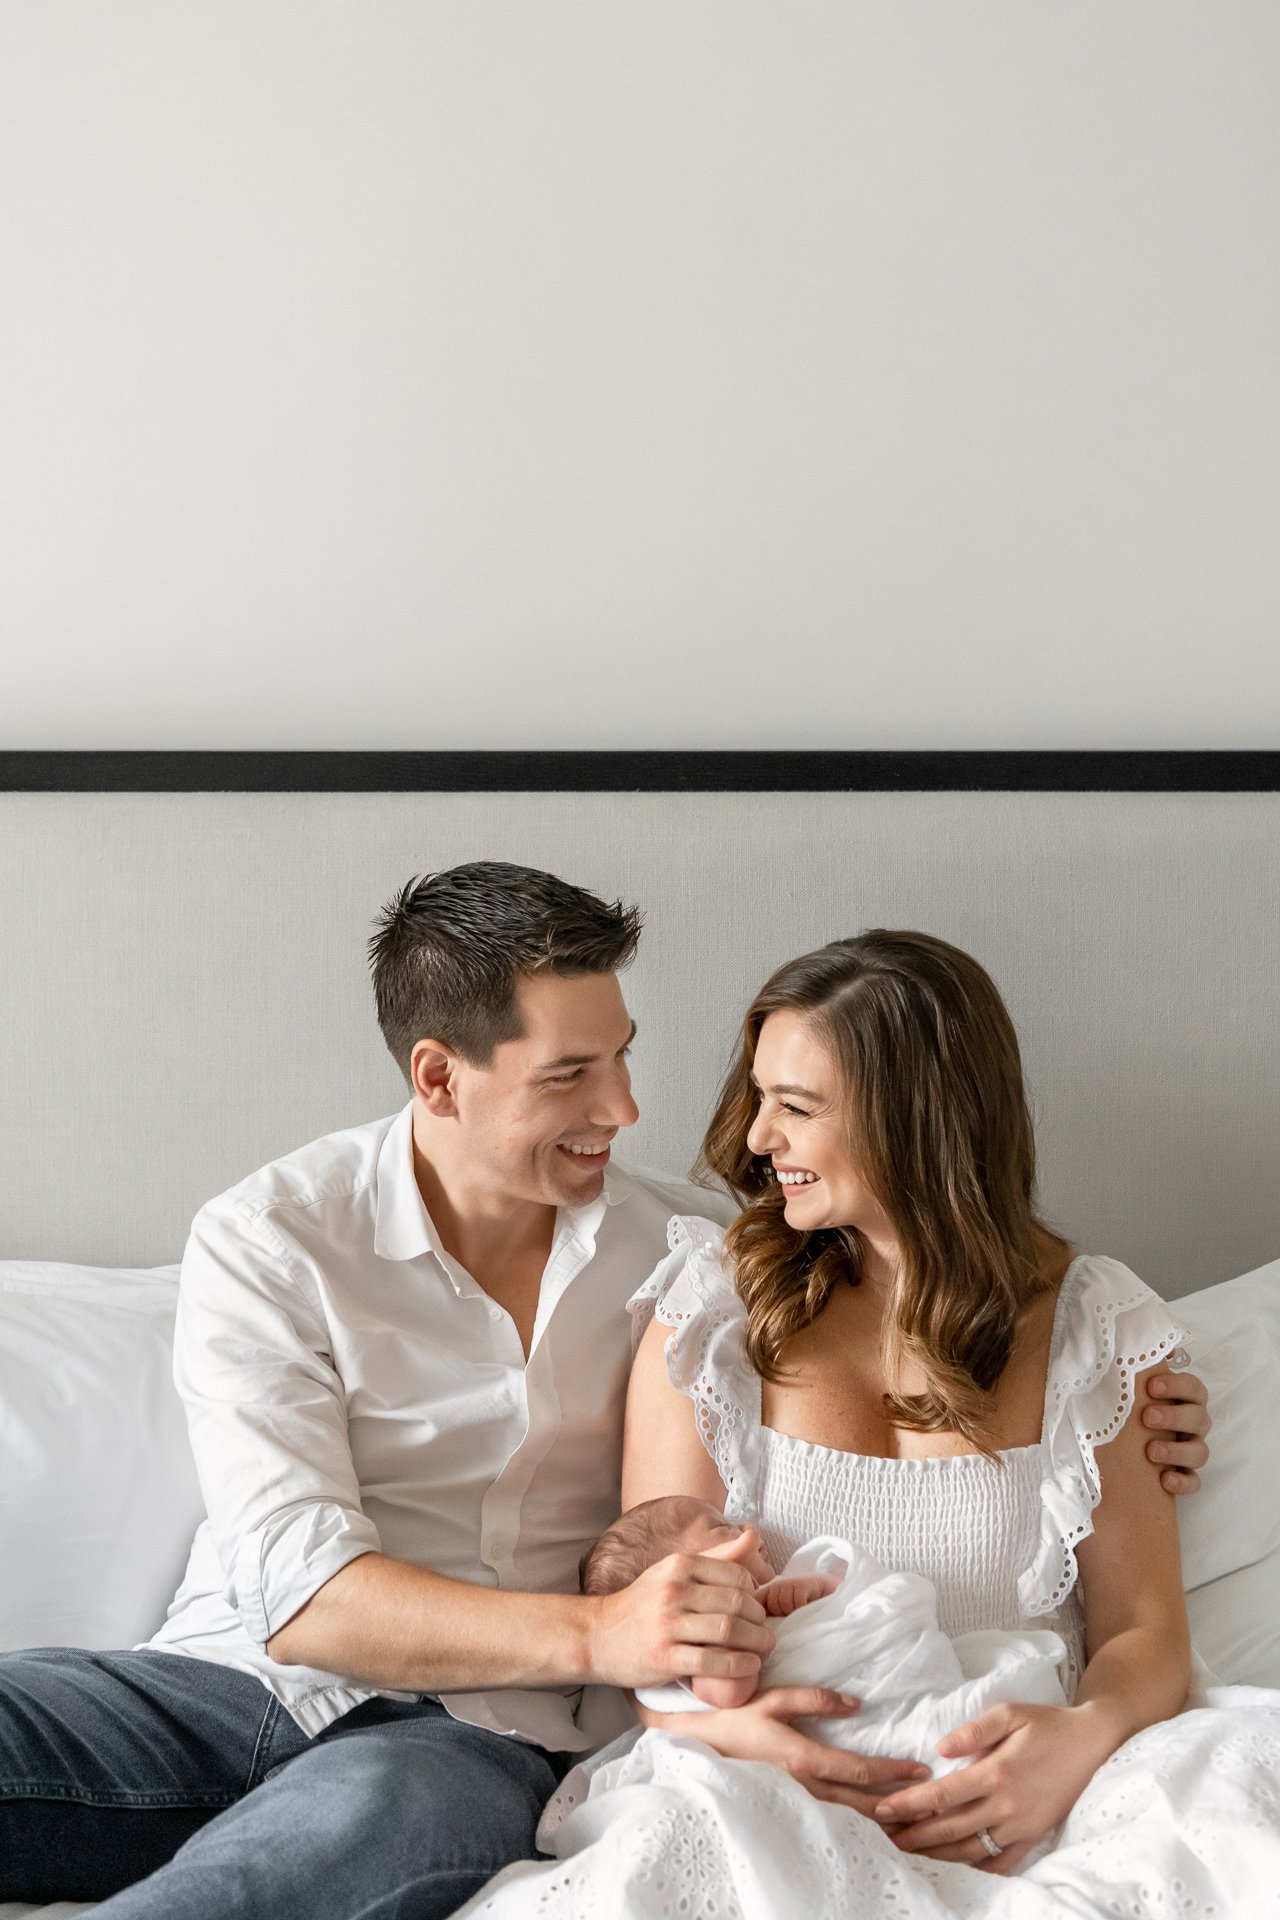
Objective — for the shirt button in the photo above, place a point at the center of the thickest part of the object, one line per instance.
(495, 1313)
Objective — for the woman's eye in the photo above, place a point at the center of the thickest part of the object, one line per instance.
(787, 1108)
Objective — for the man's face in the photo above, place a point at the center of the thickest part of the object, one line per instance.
(539, 1120)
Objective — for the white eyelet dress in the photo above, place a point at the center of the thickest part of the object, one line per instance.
(1184, 1820)
(996, 1536)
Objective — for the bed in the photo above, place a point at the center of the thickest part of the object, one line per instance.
(184, 977)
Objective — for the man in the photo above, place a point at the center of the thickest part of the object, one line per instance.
(403, 1352)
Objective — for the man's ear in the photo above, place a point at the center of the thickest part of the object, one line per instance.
(431, 1071)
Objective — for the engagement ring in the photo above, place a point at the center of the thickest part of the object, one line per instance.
(989, 1843)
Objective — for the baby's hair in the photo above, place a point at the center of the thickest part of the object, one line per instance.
(638, 1538)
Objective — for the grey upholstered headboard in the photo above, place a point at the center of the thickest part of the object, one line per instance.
(185, 995)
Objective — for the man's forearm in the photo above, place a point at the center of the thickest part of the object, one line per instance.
(389, 1624)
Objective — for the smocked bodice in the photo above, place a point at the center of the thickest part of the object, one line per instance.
(969, 1524)
(997, 1537)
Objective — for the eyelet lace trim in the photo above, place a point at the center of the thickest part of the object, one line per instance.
(1108, 1327)
(693, 1295)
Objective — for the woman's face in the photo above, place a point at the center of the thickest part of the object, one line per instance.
(802, 1126)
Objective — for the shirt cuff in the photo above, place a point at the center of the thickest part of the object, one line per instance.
(282, 1563)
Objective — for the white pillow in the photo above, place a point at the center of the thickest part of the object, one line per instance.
(1233, 1337)
(1235, 1624)
(98, 1493)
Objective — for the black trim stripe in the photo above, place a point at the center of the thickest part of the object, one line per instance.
(665, 772)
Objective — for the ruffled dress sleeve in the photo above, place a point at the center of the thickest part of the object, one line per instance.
(1108, 1328)
(692, 1294)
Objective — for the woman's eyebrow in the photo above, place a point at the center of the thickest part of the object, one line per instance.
(805, 1093)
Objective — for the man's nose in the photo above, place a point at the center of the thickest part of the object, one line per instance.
(617, 1108)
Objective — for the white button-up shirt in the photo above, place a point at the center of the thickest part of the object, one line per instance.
(350, 1389)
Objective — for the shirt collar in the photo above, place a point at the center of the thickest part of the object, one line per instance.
(404, 1230)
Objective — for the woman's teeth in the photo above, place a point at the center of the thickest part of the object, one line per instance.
(797, 1179)
(601, 1146)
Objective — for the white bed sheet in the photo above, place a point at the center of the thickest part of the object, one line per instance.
(1235, 1622)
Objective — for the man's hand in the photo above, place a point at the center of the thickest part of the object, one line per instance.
(688, 1616)
(764, 1730)
(1178, 1408)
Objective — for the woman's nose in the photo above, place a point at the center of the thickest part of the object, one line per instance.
(761, 1135)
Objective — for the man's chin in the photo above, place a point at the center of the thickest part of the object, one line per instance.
(576, 1186)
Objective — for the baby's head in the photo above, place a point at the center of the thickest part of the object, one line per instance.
(677, 1523)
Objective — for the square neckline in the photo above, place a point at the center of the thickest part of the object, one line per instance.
(772, 1434)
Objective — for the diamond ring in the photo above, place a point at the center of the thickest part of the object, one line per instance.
(989, 1843)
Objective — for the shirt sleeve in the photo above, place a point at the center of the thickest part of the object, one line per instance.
(267, 1417)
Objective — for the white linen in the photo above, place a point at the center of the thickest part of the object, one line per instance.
(876, 1635)
(98, 1492)
(1184, 1819)
(1233, 1331)
(350, 1389)
(1235, 1620)
(1181, 1821)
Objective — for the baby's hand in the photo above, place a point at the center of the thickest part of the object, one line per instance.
(782, 1596)
(778, 1597)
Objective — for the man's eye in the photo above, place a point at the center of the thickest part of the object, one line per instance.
(565, 1079)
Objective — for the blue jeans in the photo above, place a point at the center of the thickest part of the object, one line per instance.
(174, 1789)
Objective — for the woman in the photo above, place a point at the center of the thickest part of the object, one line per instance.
(890, 1344)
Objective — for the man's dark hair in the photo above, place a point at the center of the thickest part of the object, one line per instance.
(451, 947)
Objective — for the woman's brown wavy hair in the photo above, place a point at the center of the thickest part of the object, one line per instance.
(928, 1062)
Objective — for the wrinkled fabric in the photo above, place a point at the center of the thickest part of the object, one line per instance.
(877, 1636)
(1183, 1821)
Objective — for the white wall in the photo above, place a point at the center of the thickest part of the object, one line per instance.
(469, 373)
(189, 995)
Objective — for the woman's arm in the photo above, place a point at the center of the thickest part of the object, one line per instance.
(1136, 1636)
(663, 1453)
(661, 1450)
(1031, 1764)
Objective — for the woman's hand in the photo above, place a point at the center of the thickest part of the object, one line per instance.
(1031, 1766)
(764, 1729)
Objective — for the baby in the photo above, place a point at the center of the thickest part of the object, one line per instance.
(679, 1523)
(844, 1622)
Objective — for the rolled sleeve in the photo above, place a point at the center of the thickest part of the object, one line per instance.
(267, 1416)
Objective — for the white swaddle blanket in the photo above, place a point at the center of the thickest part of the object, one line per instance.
(877, 1635)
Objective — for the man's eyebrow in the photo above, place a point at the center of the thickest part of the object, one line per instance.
(582, 1059)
